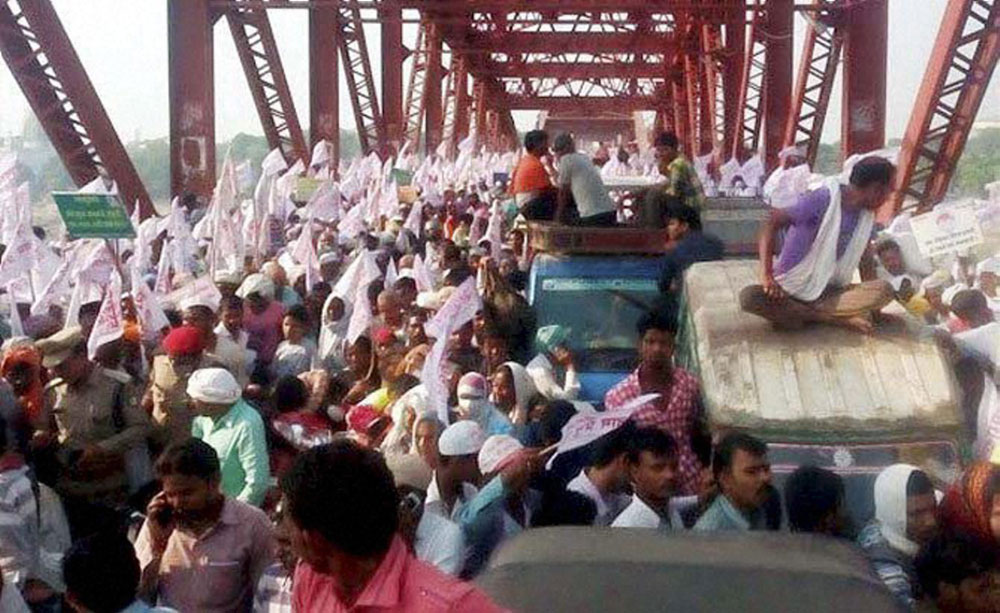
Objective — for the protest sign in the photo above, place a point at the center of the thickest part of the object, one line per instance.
(585, 428)
(305, 187)
(93, 215)
(947, 230)
(401, 177)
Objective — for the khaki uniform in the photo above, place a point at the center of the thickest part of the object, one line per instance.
(171, 404)
(103, 411)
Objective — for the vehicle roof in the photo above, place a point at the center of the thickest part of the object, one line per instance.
(600, 569)
(824, 381)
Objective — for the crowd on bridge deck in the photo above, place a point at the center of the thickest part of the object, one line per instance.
(340, 399)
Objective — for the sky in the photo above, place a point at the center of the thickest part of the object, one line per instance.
(123, 46)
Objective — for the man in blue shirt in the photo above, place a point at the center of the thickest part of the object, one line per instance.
(743, 474)
(690, 244)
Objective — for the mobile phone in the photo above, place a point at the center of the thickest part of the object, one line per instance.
(164, 516)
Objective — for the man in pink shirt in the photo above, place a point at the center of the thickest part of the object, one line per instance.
(343, 514)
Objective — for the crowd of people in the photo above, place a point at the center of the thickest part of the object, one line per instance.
(340, 400)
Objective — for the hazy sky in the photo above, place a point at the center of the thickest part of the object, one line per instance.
(123, 45)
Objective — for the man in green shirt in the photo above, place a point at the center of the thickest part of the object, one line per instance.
(682, 182)
(234, 429)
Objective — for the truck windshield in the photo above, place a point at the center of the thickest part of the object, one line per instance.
(600, 314)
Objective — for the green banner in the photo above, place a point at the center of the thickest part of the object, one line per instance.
(93, 215)
(402, 177)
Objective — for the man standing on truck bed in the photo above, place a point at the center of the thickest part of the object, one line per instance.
(828, 238)
(681, 181)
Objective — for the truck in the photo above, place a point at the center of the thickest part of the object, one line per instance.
(822, 396)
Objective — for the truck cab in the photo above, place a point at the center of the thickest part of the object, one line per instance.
(598, 282)
(824, 396)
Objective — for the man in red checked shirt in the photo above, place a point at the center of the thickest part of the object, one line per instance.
(678, 410)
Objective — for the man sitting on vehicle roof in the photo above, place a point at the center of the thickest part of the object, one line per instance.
(583, 199)
(828, 238)
(533, 190)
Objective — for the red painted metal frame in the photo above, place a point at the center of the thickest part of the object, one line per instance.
(750, 110)
(963, 60)
(777, 77)
(55, 83)
(258, 53)
(324, 84)
(413, 106)
(814, 86)
(392, 71)
(360, 78)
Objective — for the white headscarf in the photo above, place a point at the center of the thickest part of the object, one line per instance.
(524, 390)
(890, 506)
(332, 334)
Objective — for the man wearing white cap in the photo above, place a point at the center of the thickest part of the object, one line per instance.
(505, 506)
(453, 483)
(234, 429)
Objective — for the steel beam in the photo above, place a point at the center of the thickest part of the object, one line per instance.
(777, 77)
(865, 52)
(681, 119)
(433, 109)
(959, 71)
(360, 78)
(750, 110)
(581, 104)
(512, 43)
(577, 70)
(258, 53)
(733, 72)
(55, 83)
(392, 71)
(463, 102)
(324, 86)
(814, 86)
(192, 98)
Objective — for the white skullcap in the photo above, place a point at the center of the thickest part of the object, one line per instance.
(791, 151)
(410, 470)
(991, 265)
(197, 300)
(256, 283)
(461, 438)
(940, 279)
(228, 277)
(214, 386)
(949, 294)
(329, 257)
(497, 452)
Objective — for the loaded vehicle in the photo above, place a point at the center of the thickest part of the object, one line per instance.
(598, 282)
(587, 569)
(823, 396)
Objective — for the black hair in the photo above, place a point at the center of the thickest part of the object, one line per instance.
(554, 417)
(683, 213)
(451, 252)
(174, 317)
(563, 143)
(457, 276)
(374, 289)
(666, 139)
(872, 170)
(919, 484)
(101, 572)
(811, 495)
(726, 450)
(656, 320)
(655, 441)
(290, 394)
(190, 458)
(232, 303)
(612, 445)
(564, 508)
(403, 384)
(404, 281)
(345, 493)
(968, 302)
(535, 139)
(886, 245)
(320, 287)
(298, 313)
(950, 558)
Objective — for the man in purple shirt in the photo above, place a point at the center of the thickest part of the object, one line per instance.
(791, 296)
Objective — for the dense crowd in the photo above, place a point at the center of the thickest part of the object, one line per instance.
(332, 394)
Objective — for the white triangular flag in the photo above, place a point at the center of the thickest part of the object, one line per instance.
(109, 325)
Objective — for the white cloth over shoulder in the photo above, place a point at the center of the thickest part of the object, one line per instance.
(820, 267)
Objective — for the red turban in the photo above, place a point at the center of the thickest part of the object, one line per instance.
(185, 340)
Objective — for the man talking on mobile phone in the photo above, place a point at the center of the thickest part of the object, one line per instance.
(200, 550)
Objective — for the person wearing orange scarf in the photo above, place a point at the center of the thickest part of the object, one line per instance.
(968, 505)
(22, 368)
